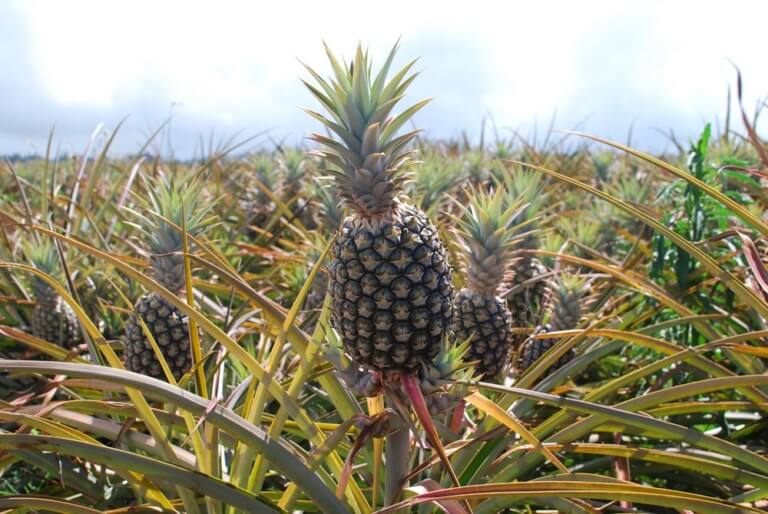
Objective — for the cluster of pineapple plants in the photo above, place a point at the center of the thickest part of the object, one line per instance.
(378, 322)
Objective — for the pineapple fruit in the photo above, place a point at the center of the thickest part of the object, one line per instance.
(177, 202)
(53, 320)
(486, 238)
(389, 276)
(568, 305)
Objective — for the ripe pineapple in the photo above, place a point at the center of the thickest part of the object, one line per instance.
(53, 320)
(568, 305)
(167, 324)
(389, 276)
(487, 243)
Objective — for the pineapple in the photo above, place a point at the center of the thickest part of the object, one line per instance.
(167, 198)
(389, 276)
(487, 243)
(259, 207)
(568, 305)
(528, 299)
(476, 165)
(294, 167)
(53, 320)
(329, 213)
(437, 176)
(328, 217)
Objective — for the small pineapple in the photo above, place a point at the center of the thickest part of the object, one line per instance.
(328, 213)
(167, 198)
(487, 244)
(53, 320)
(328, 218)
(568, 305)
(259, 207)
(295, 273)
(389, 275)
(294, 165)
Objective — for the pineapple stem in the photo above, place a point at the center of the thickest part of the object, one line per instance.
(397, 450)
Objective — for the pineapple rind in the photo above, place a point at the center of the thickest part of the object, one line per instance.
(168, 326)
(391, 289)
(489, 324)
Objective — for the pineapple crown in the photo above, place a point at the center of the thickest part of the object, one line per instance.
(438, 175)
(263, 165)
(42, 255)
(171, 203)
(476, 164)
(568, 303)
(330, 213)
(365, 153)
(487, 238)
(584, 230)
(526, 186)
(450, 364)
(292, 164)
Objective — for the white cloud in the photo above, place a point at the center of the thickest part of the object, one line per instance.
(232, 66)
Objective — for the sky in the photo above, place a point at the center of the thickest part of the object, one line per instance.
(230, 70)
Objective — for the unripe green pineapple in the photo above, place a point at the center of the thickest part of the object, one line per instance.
(568, 305)
(389, 276)
(176, 201)
(53, 320)
(486, 237)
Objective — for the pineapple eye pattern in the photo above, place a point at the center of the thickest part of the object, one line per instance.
(392, 292)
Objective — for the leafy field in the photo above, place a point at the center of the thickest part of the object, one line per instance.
(382, 323)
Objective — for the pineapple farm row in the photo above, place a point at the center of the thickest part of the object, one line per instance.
(378, 322)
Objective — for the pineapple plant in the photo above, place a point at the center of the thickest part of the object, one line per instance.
(328, 213)
(294, 166)
(486, 239)
(328, 216)
(438, 175)
(259, 207)
(476, 165)
(389, 276)
(568, 304)
(53, 320)
(169, 202)
(528, 295)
